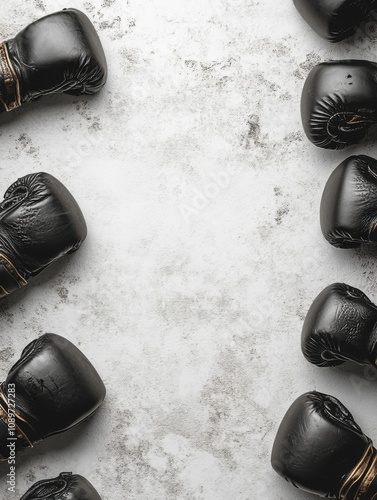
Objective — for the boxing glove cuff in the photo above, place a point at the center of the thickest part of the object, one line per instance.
(14, 428)
(362, 480)
(10, 279)
(10, 95)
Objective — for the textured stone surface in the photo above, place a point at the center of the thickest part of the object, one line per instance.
(204, 252)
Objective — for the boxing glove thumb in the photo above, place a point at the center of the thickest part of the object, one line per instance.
(348, 212)
(40, 222)
(334, 20)
(339, 102)
(320, 449)
(49, 390)
(341, 325)
(59, 53)
(67, 486)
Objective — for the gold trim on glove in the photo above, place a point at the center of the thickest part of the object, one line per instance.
(357, 119)
(11, 269)
(368, 478)
(12, 99)
(364, 472)
(21, 436)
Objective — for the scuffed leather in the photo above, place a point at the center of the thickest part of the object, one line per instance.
(56, 387)
(335, 20)
(339, 102)
(348, 212)
(318, 444)
(40, 221)
(67, 486)
(60, 52)
(341, 325)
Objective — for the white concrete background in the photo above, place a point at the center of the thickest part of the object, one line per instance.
(204, 252)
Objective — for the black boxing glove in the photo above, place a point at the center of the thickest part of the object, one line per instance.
(319, 448)
(335, 20)
(348, 212)
(58, 53)
(341, 325)
(49, 390)
(67, 486)
(339, 103)
(40, 222)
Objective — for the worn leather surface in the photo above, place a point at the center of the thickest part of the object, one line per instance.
(56, 387)
(339, 102)
(341, 325)
(318, 444)
(335, 20)
(348, 211)
(60, 52)
(67, 486)
(40, 221)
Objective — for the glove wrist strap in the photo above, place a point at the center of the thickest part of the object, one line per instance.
(24, 435)
(10, 279)
(360, 483)
(10, 95)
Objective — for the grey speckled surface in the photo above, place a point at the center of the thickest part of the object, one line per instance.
(204, 252)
